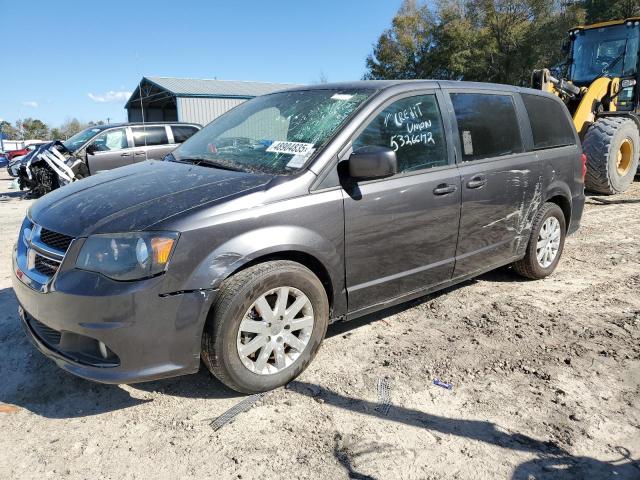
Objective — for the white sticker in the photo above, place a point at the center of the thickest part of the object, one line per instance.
(467, 142)
(298, 160)
(291, 148)
(341, 96)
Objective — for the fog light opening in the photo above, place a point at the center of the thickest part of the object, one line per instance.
(103, 350)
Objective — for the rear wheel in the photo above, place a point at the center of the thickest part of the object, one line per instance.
(266, 326)
(612, 146)
(545, 244)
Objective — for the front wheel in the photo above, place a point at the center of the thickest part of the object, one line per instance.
(545, 245)
(266, 326)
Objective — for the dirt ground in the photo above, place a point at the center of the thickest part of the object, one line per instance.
(545, 374)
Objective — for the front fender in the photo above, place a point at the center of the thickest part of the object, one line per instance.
(251, 245)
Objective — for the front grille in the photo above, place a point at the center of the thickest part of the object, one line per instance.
(46, 334)
(55, 240)
(45, 266)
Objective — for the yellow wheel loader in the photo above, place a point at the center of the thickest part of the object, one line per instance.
(599, 84)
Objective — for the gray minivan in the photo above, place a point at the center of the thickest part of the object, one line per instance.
(291, 211)
(117, 145)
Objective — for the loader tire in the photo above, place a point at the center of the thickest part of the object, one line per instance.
(612, 146)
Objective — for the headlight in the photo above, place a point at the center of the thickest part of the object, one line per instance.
(127, 256)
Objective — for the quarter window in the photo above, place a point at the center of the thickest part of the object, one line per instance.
(550, 123)
(149, 136)
(182, 132)
(487, 125)
(111, 140)
(412, 127)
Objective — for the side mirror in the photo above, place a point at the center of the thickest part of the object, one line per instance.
(372, 162)
(91, 149)
(566, 46)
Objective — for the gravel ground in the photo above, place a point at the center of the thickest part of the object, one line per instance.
(545, 374)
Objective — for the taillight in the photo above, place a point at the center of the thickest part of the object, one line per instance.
(584, 166)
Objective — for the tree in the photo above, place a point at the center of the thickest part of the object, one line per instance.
(8, 131)
(401, 50)
(32, 128)
(601, 10)
(70, 127)
(56, 134)
(483, 40)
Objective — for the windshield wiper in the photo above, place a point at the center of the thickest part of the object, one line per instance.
(613, 63)
(221, 164)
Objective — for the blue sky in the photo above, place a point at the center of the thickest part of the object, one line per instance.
(65, 59)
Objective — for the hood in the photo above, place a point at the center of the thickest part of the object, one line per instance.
(135, 197)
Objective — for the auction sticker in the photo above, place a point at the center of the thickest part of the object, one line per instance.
(291, 148)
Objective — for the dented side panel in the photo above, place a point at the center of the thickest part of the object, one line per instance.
(222, 243)
(496, 218)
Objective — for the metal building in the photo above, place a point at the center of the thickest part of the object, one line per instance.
(191, 100)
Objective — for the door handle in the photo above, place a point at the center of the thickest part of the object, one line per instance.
(444, 189)
(140, 153)
(125, 154)
(478, 181)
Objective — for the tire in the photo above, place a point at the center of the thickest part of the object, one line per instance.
(222, 342)
(530, 266)
(602, 144)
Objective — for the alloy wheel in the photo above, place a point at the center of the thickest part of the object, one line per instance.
(275, 330)
(548, 242)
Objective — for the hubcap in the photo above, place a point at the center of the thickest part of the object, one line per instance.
(548, 242)
(275, 330)
(625, 157)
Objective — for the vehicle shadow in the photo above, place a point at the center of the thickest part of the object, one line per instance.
(6, 196)
(606, 201)
(503, 274)
(552, 462)
(32, 382)
(342, 327)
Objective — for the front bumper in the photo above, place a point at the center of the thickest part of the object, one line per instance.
(153, 335)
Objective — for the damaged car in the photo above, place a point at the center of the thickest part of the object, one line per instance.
(291, 211)
(96, 149)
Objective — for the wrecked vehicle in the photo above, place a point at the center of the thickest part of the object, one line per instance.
(289, 212)
(96, 149)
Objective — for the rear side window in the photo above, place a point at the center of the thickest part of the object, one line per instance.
(549, 122)
(487, 125)
(182, 132)
(412, 127)
(149, 136)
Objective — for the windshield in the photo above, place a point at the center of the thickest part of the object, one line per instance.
(609, 51)
(275, 133)
(79, 139)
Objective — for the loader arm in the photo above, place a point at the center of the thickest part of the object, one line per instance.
(591, 99)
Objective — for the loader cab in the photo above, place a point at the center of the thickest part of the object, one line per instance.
(608, 49)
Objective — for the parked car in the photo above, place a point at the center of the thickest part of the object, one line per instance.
(13, 166)
(97, 149)
(289, 212)
(21, 152)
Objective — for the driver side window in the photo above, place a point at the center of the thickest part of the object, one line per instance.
(111, 140)
(412, 127)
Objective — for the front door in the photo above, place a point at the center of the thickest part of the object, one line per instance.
(401, 232)
(501, 183)
(110, 150)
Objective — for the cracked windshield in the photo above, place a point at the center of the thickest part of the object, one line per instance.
(275, 133)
